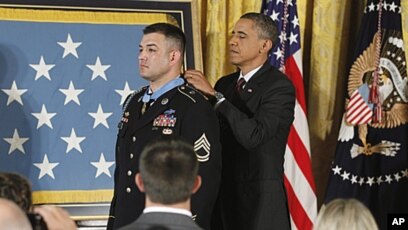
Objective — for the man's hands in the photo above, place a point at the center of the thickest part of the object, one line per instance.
(55, 217)
(199, 81)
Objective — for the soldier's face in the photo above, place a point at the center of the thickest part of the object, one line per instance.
(244, 43)
(154, 56)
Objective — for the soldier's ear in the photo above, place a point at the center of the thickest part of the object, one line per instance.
(175, 55)
(139, 182)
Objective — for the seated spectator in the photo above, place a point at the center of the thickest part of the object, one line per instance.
(168, 176)
(345, 214)
(12, 217)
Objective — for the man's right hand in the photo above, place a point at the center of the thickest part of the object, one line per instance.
(200, 82)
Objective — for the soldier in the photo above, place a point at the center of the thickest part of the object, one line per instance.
(167, 106)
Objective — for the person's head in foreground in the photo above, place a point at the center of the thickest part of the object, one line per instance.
(347, 214)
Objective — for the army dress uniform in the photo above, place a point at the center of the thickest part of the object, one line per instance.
(181, 111)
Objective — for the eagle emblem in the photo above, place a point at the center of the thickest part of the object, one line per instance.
(392, 94)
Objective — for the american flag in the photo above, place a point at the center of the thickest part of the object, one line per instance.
(358, 109)
(287, 55)
(62, 86)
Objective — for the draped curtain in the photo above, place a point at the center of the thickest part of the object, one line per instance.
(329, 31)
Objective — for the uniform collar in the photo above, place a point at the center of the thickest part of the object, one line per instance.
(150, 95)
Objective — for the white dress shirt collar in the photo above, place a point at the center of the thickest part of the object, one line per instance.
(250, 74)
(167, 209)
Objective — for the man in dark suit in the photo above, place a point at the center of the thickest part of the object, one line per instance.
(168, 176)
(255, 115)
(168, 106)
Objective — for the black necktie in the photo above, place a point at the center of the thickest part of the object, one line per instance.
(240, 85)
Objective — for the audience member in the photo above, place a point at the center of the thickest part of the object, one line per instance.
(12, 217)
(169, 176)
(16, 188)
(345, 214)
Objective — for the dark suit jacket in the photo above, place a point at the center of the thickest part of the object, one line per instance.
(184, 112)
(162, 221)
(254, 130)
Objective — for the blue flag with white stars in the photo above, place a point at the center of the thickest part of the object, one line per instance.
(62, 88)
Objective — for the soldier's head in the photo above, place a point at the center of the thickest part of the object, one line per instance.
(168, 171)
(161, 51)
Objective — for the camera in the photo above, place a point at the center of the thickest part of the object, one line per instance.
(37, 222)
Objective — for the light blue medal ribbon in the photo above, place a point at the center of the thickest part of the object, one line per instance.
(162, 90)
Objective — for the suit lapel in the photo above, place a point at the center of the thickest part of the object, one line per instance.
(255, 83)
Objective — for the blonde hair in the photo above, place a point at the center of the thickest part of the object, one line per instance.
(348, 214)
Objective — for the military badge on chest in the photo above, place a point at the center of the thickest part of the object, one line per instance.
(166, 120)
(124, 120)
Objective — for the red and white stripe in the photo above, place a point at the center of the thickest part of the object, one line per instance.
(358, 112)
(298, 179)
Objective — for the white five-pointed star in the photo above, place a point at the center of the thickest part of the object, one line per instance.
(274, 15)
(124, 93)
(46, 167)
(73, 141)
(100, 117)
(71, 94)
(102, 166)
(345, 175)
(14, 94)
(371, 7)
(42, 69)
(392, 6)
(70, 47)
(379, 180)
(290, 3)
(336, 170)
(370, 181)
(98, 69)
(278, 53)
(292, 38)
(295, 22)
(353, 179)
(44, 118)
(16, 142)
(388, 179)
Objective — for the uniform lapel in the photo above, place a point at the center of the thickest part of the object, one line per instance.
(158, 107)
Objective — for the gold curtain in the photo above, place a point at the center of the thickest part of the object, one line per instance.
(328, 30)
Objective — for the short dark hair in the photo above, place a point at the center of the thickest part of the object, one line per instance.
(169, 31)
(264, 25)
(168, 167)
(16, 188)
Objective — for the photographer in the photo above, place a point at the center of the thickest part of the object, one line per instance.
(17, 189)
